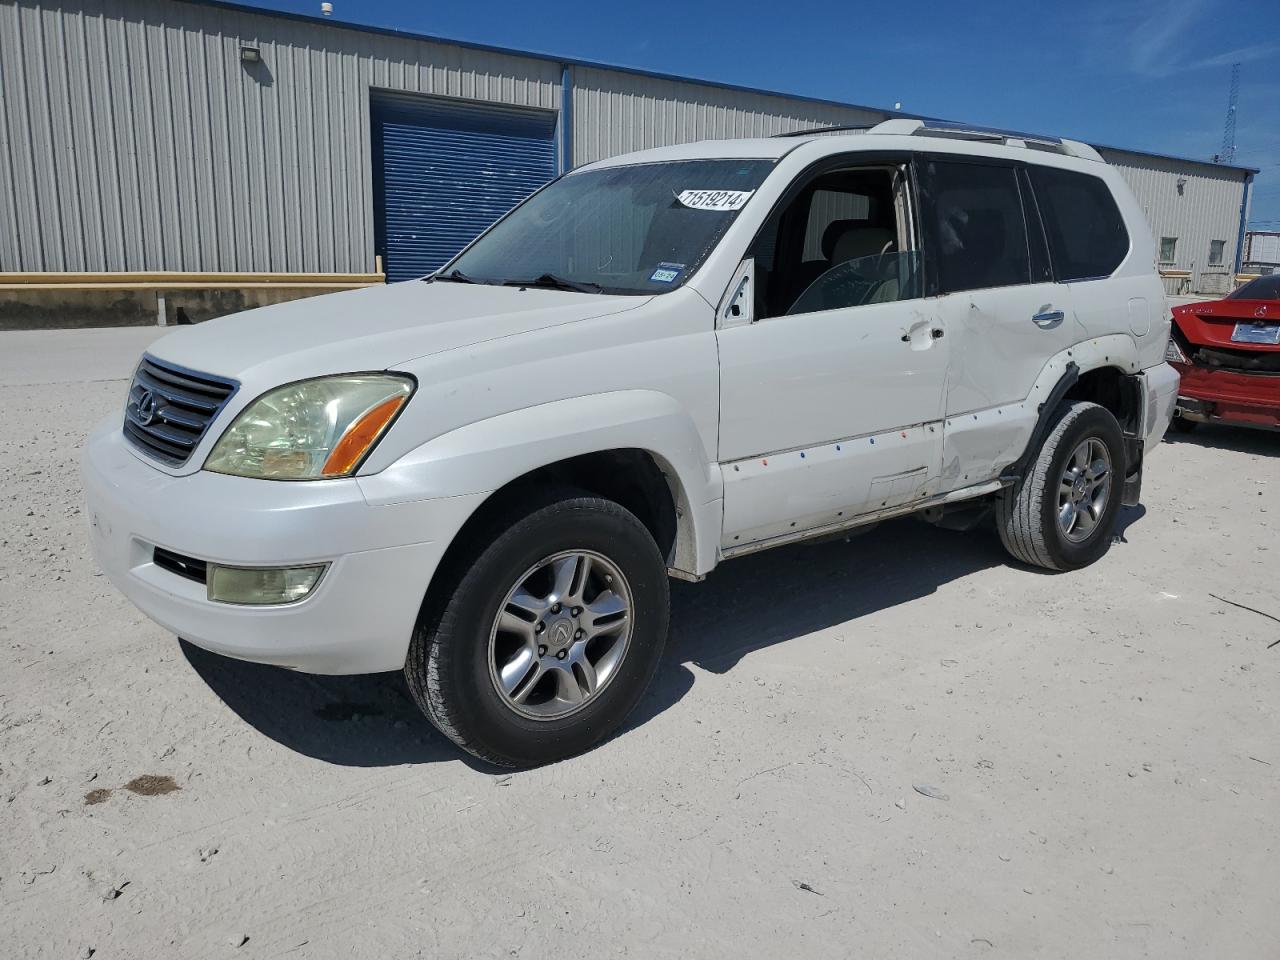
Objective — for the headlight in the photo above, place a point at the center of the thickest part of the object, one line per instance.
(311, 430)
(1173, 353)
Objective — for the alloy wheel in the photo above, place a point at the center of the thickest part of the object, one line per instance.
(1084, 489)
(560, 634)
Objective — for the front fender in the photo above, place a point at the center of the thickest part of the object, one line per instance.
(486, 455)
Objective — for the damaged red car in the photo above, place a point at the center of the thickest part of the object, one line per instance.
(1228, 354)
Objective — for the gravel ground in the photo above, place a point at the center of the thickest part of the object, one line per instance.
(1105, 747)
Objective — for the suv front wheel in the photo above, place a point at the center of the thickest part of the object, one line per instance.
(1062, 514)
(550, 635)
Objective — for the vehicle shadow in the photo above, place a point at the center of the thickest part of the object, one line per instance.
(775, 596)
(357, 721)
(744, 606)
(1264, 443)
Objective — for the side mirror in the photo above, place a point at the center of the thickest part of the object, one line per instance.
(739, 304)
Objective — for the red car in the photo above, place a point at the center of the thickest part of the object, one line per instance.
(1228, 353)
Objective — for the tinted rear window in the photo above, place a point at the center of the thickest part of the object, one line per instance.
(1087, 237)
(979, 230)
(1261, 288)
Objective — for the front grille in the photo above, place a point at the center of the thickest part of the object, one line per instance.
(188, 567)
(170, 408)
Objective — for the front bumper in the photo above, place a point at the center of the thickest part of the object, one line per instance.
(1211, 395)
(360, 617)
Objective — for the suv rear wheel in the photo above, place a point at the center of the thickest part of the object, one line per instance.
(550, 636)
(1062, 514)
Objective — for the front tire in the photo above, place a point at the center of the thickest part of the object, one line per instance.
(552, 633)
(1062, 514)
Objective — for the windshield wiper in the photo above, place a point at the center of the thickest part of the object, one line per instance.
(551, 282)
(456, 276)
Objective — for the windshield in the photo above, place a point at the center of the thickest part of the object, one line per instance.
(1260, 288)
(640, 229)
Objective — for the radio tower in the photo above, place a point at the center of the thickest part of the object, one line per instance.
(1228, 152)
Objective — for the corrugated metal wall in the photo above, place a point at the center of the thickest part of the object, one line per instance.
(133, 138)
(1206, 208)
(617, 112)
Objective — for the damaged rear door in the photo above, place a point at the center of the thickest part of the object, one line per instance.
(999, 303)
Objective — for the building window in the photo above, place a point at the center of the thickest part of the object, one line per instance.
(1168, 249)
(1216, 247)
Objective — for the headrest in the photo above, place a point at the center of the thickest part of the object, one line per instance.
(862, 242)
(835, 230)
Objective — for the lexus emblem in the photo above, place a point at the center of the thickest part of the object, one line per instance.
(146, 407)
(1261, 311)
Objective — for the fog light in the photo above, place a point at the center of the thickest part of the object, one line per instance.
(262, 585)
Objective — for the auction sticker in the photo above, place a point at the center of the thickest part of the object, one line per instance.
(715, 199)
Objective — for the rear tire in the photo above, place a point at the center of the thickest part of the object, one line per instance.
(466, 652)
(1059, 516)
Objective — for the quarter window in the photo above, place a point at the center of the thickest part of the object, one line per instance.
(978, 228)
(1216, 248)
(1168, 249)
(1087, 236)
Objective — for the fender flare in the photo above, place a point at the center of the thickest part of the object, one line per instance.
(1132, 432)
(485, 455)
(1015, 472)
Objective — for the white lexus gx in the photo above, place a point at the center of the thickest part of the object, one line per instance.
(655, 363)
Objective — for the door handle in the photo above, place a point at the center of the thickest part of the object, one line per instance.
(1050, 318)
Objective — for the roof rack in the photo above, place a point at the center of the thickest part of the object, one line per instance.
(815, 131)
(962, 131)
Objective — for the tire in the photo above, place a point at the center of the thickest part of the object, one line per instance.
(1027, 515)
(448, 668)
(1183, 425)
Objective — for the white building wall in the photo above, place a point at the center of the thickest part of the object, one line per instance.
(1196, 203)
(617, 112)
(133, 138)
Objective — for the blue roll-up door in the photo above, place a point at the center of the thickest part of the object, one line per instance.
(445, 171)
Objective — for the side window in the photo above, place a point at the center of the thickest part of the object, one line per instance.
(1168, 249)
(836, 244)
(1216, 248)
(1087, 236)
(978, 227)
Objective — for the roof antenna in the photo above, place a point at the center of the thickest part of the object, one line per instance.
(326, 9)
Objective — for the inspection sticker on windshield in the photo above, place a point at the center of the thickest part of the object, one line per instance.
(667, 272)
(715, 199)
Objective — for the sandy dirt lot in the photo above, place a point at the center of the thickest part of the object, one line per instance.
(1107, 744)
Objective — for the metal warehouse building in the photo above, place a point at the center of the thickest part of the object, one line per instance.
(223, 156)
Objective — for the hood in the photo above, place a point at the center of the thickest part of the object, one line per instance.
(375, 328)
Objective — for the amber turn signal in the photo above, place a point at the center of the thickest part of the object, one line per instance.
(360, 436)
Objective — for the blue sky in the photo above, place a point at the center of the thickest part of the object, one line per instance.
(1151, 74)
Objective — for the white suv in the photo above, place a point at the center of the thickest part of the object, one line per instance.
(657, 362)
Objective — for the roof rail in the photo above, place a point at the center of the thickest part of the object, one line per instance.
(963, 131)
(814, 131)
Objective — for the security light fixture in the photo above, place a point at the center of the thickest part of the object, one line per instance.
(250, 55)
